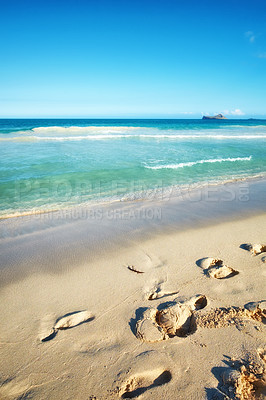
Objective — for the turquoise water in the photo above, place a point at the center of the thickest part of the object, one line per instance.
(51, 164)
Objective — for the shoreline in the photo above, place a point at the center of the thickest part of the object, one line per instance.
(157, 194)
(79, 233)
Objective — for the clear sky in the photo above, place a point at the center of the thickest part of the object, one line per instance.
(132, 58)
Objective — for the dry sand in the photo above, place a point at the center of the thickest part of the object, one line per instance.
(49, 353)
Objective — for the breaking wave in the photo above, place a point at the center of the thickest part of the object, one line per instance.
(84, 129)
(28, 137)
(77, 133)
(191, 163)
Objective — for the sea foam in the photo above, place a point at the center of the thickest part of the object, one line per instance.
(108, 136)
(191, 163)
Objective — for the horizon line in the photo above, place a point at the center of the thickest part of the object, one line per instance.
(130, 118)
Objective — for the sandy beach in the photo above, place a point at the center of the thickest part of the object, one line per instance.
(133, 200)
(173, 313)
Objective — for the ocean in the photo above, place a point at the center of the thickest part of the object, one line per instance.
(50, 164)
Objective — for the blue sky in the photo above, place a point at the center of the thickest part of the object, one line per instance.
(132, 58)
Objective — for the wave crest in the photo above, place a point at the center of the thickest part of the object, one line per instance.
(84, 129)
(191, 163)
(126, 136)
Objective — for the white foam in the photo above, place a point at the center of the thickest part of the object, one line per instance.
(60, 133)
(125, 136)
(84, 129)
(203, 136)
(87, 137)
(191, 163)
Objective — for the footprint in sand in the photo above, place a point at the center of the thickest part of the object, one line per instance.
(13, 388)
(254, 306)
(182, 320)
(73, 319)
(143, 262)
(242, 379)
(254, 249)
(140, 383)
(155, 291)
(215, 268)
(177, 320)
(228, 316)
(49, 329)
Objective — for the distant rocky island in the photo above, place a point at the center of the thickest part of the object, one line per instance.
(218, 116)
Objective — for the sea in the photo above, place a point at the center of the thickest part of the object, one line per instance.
(51, 164)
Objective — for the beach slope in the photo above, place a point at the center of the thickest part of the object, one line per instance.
(168, 316)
